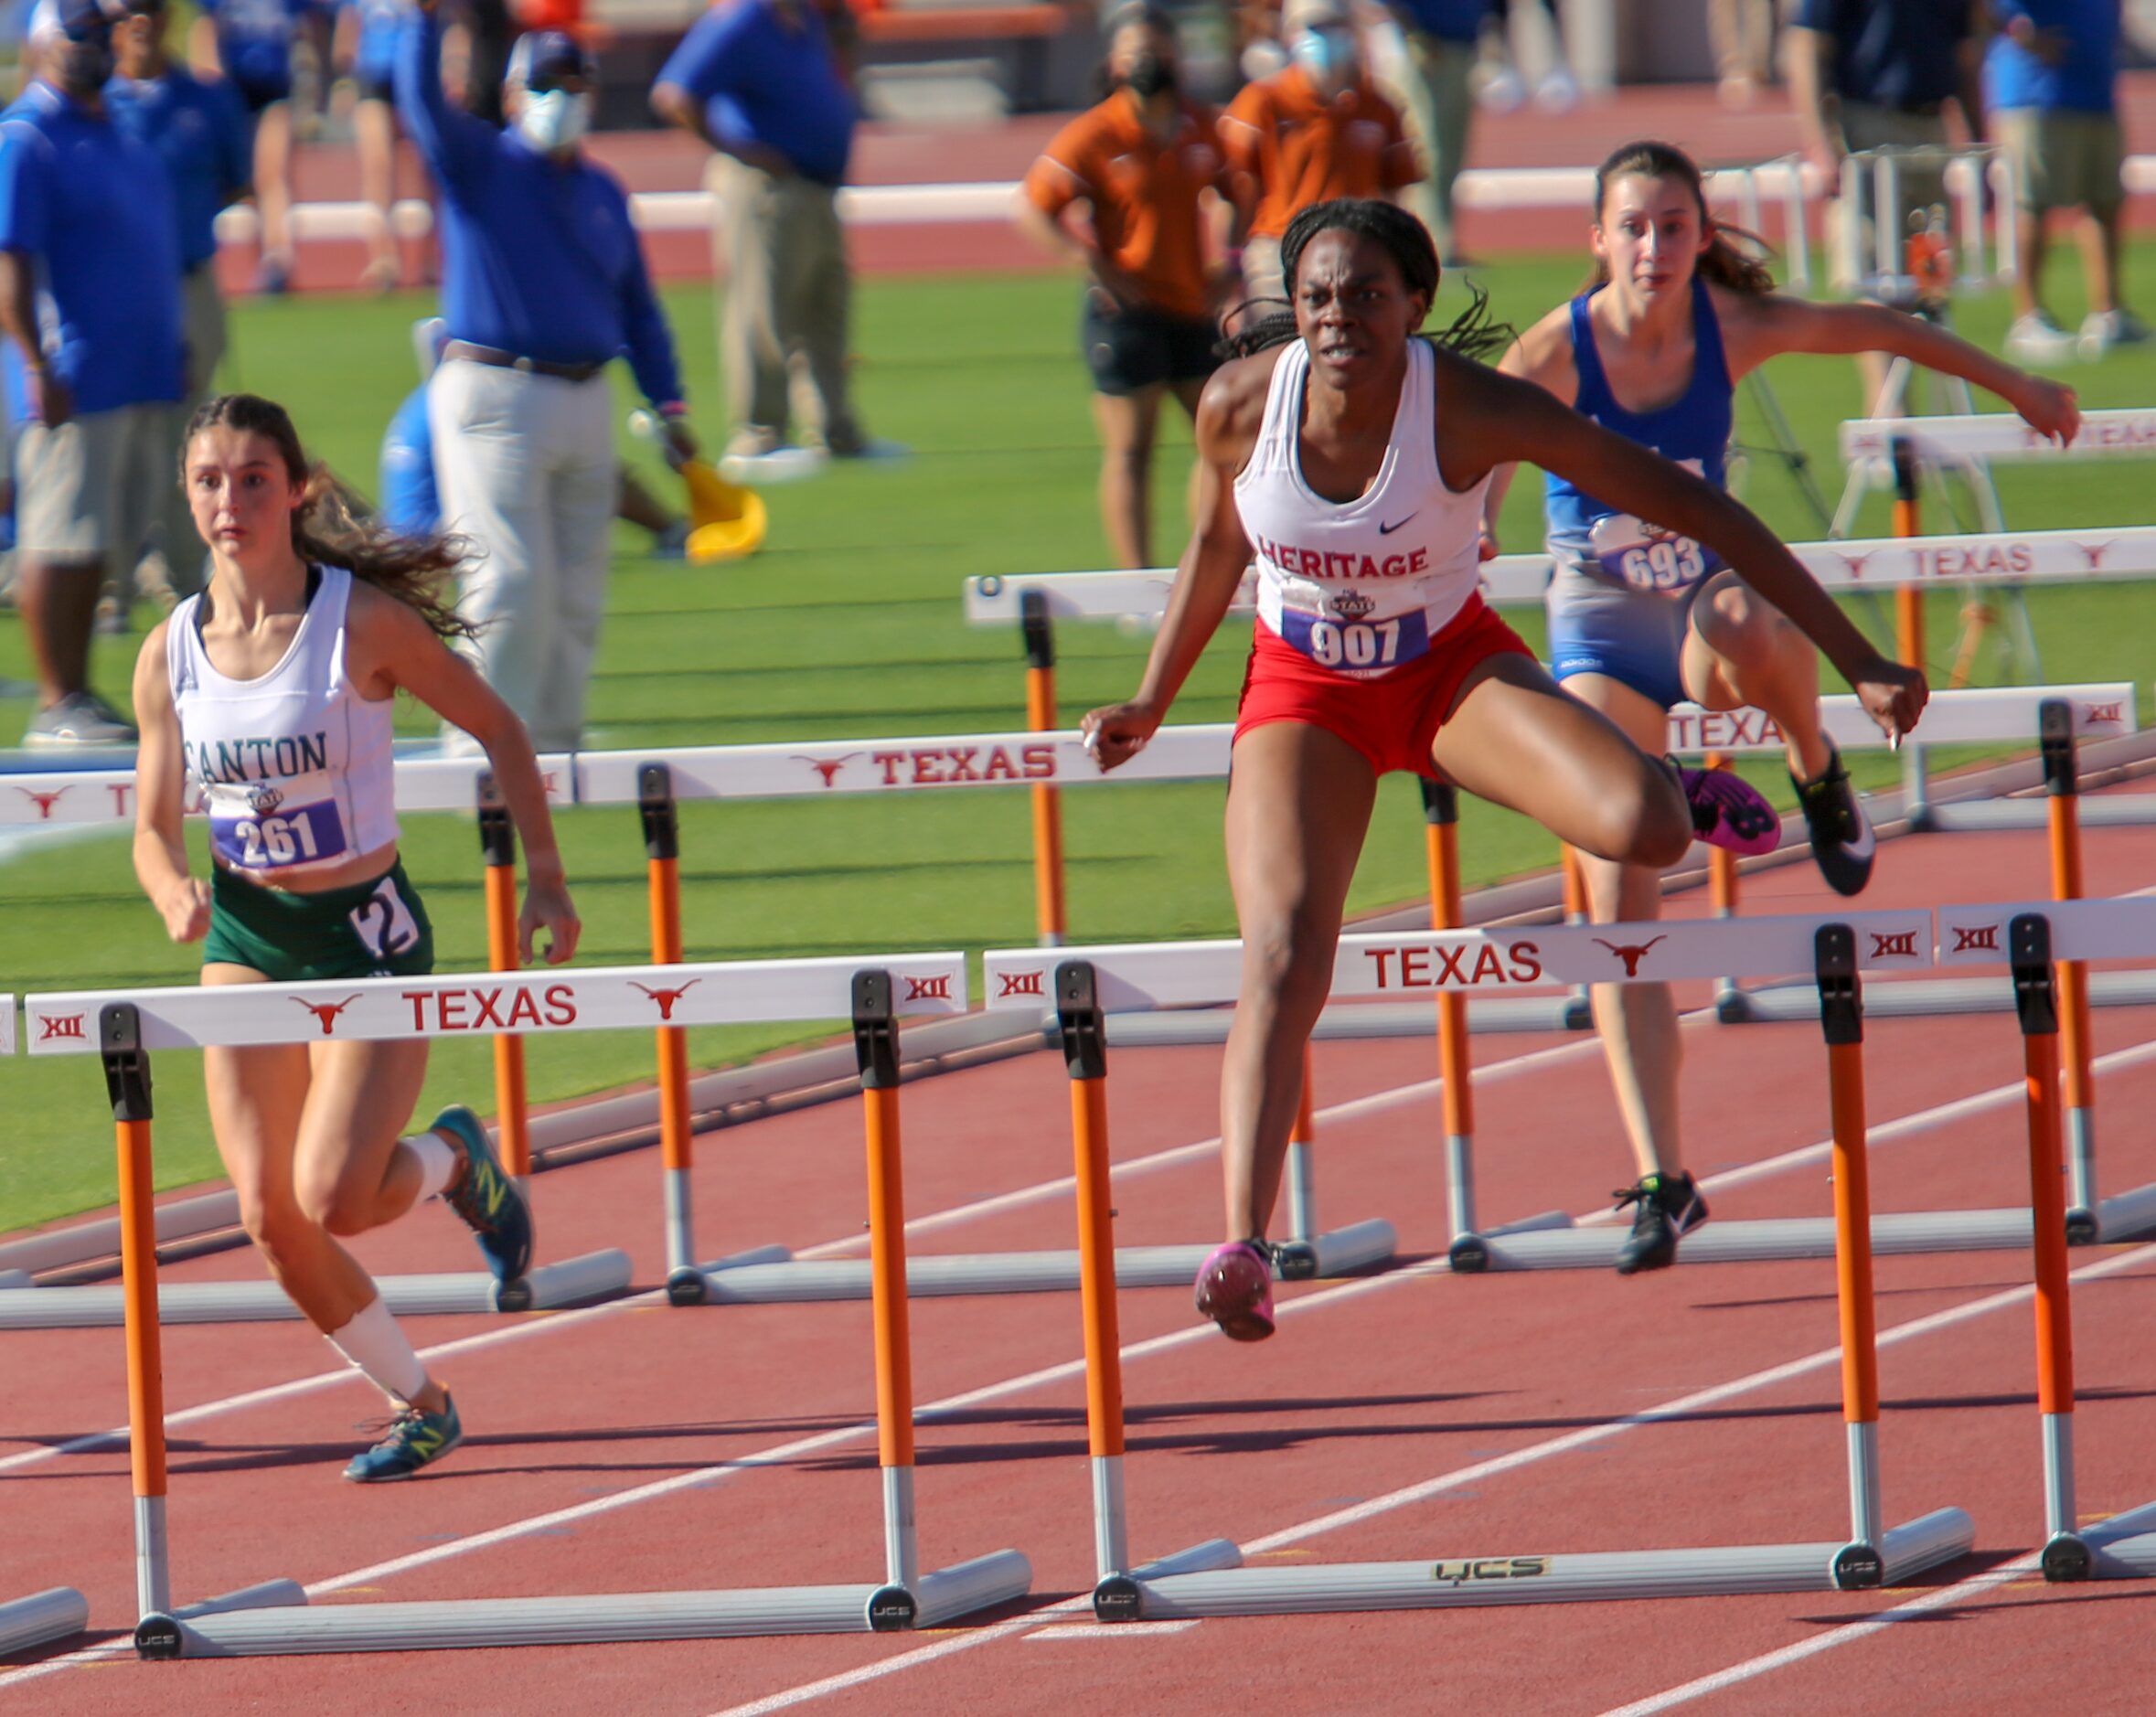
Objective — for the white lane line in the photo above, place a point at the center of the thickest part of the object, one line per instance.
(1916, 1328)
(1924, 1603)
(1375, 1103)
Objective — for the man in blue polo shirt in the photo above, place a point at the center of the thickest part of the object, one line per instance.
(543, 286)
(89, 296)
(1442, 37)
(2050, 77)
(760, 81)
(199, 130)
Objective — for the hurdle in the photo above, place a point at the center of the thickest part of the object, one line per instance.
(42, 1619)
(421, 784)
(1208, 1579)
(130, 1025)
(656, 783)
(2123, 1546)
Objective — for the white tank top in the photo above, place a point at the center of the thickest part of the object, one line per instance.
(295, 769)
(1360, 587)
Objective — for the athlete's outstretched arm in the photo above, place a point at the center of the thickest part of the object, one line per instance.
(160, 783)
(1507, 421)
(1768, 324)
(1205, 581)
(396, 646)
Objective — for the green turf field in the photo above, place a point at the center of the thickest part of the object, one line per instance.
(848, 624)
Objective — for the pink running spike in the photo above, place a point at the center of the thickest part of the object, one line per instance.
(1729, 811)
(1235, 1290)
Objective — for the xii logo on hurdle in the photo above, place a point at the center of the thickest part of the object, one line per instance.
(52, 1025)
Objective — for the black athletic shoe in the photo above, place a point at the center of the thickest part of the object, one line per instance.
(1669, 1205)
(1841, 837)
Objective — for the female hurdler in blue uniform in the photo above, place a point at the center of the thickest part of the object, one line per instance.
(1641, 619)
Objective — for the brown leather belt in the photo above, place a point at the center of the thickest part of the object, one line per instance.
(509, 360)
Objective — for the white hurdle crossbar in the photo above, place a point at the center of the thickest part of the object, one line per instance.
(129, 1026)
(1207, 1579)
(42, 1619)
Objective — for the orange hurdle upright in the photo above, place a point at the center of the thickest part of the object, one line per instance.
(1441, 823)
(662, 853)
(1048, 805)
(2063, 785)
(127, 1081)
(497, 848)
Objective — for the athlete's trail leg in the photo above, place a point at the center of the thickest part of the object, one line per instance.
(1742, 650)
(1299, 804)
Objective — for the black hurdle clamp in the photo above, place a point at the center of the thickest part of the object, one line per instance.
(1841, 1001)
(2035, 988)
(1078, 1013)
(1441, 801)
(1905, 469)
(875, 1030)
(2055, 729)
(655, 805)
(1035, 629)
(497, 834)
(127, 1064)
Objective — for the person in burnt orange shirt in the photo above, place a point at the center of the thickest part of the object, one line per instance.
(1142, 163)
(1317, 131)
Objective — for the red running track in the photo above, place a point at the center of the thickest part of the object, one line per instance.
(636, 1446)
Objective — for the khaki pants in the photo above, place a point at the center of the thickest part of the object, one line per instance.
(1438, 105)
(783, 327)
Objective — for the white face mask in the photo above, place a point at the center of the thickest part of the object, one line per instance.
(554, 119)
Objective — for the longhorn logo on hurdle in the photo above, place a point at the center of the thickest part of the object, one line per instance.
(1020, 983)
(2094, 552)
(1631, 956)
(1856, 562)
(44, 801)
(51, 1026)
(827, 768)
(1897, 944)
(936, 989)
(667, 998)
(326, 1012)
(1975, 938)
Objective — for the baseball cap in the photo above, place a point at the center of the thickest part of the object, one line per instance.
(543, 59)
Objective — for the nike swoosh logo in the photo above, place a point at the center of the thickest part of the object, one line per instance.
(1386, 530)
(1862, 848)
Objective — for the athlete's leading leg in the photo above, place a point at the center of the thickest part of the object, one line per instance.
(1299, 804)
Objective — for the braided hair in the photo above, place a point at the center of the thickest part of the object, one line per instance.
(1474, 333)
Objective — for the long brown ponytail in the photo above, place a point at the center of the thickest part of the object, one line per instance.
(1732, 256)
(331, 524)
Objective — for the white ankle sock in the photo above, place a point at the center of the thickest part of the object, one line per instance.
(437, 1161)
(374, 1344)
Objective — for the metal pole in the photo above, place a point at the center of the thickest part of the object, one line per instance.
(2062, 782)
(127, 1082)
(1441, 820)
(1085, 1054)
(1302, 1165)
(1722, 895)
(1909, 613)
(1841, 1020)
(662, 853)
(1048, 807)
(875, 1042)
(2035, 1000)
(497, 848)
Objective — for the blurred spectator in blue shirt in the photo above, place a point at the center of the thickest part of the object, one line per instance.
(250, 42)
(199, 131)
(1441, 37)
(89, 296)
(543, 286)
(763, 82)
(2049, 78)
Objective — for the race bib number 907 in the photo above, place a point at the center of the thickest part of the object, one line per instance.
(1352, 647)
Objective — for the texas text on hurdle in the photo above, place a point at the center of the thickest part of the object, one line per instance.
(1208, 1579)
(128, 1026)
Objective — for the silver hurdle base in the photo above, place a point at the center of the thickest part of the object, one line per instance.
(1448, 1583)
(481, 1623)
(574, 1281)
(759, 1282)
(42, 1618)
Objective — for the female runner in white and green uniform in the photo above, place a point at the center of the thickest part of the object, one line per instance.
(269, 697)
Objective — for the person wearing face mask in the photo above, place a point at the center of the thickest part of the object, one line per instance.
(1312, 132)
(766, 84)
(1141, 163)
(199, 131)
(543, 285)
(89, 297)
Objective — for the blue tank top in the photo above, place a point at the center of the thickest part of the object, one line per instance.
(1589, 536)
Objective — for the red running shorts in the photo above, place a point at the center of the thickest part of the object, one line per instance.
(1393, 721)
